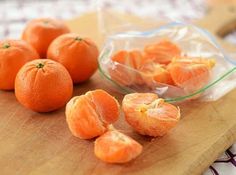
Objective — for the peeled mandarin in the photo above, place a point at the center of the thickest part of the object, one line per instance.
(149, 115)
(89, 115)
(116, 147)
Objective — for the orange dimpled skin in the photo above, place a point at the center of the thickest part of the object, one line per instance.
(126, 62)
(89, 115)
(149, 115)
(43, 85)
(13, 55)
(78, 55)
(115, 147)
(162, 52)
(41, 32)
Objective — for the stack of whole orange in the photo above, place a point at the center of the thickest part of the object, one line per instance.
(45, 85)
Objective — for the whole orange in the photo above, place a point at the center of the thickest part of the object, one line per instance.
(78, 55)
(13, 55)
(41, 32)
(43, 85)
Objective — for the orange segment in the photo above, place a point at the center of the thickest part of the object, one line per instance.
(210, 63)
(132, 58)
(162, 52)
(190, 76)
(115, 147)
(125, 64)
(155, 72)
(106, 106)
(120, 57)
(83, 119)
(136, 99)
(149, 115)
(136, 59)
(89, 115)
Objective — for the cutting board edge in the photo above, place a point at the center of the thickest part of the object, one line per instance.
(228, 139)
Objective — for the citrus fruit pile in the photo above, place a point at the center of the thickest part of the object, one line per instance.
(43, 66)
(161, 63)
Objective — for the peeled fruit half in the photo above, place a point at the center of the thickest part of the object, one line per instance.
(116, 147)
(149, 115)
(89, 115)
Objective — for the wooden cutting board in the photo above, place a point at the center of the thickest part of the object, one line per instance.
(35, 143)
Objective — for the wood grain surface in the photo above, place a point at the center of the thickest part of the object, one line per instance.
(36, 143)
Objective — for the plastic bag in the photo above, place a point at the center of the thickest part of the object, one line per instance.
(193, 41)
(123, 15)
